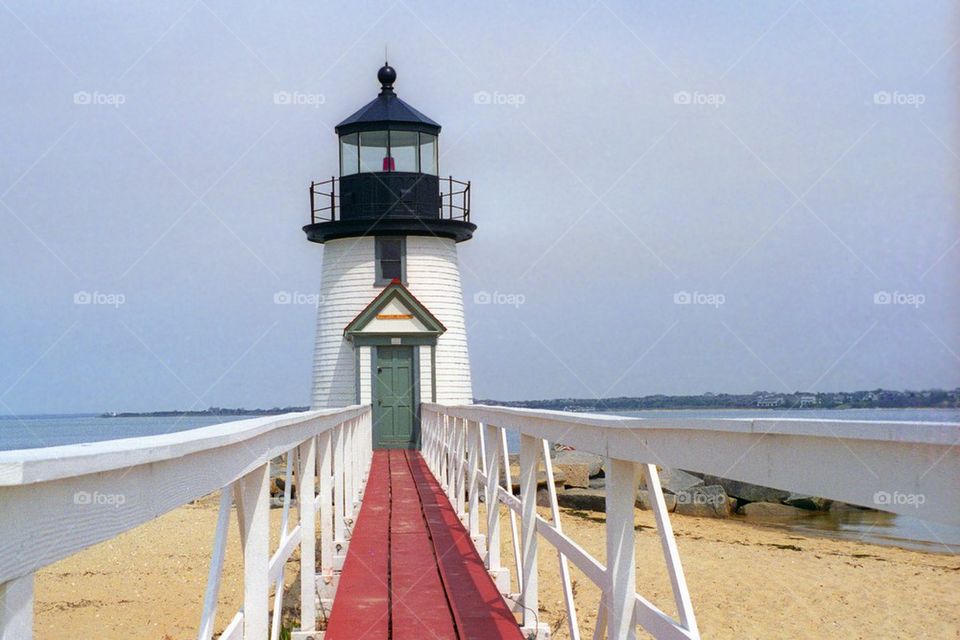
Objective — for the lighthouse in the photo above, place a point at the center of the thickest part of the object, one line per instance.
(390, 322)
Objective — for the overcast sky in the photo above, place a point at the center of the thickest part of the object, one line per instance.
(785, 164)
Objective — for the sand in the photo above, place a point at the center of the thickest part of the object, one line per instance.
(746, 581)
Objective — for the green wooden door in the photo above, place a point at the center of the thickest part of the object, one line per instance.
(394, 413)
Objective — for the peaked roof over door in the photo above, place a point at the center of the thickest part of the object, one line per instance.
(395, 311)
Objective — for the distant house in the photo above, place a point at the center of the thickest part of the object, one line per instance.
(808, 401)
(769, 402)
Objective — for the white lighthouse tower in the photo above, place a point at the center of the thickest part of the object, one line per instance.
(390, 326)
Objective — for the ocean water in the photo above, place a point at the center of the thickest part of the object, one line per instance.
(31, 432)
(28, 432)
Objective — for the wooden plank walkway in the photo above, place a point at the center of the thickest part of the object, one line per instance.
(411, 570)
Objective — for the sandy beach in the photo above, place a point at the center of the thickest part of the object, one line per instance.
(746, 581)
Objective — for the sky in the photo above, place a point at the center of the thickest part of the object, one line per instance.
(671, 197)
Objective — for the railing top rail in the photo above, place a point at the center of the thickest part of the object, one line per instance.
(906, 432)
(870, 463)
(27, 466)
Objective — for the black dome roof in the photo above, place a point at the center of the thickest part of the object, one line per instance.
(387, 110)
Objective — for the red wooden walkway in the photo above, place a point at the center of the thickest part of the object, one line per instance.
(411, 570)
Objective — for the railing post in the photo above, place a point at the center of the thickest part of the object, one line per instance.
(325, 454)
(529, 597)
(452, 460)
(255, 499)
(448, 455)
(492, 459)
(492, 497)
(461, 468)
(308, 534)
(473, 505)
(349, 465)
(621, 490)
(16, 608)
(368, 438)
(357, 460)
(339, 513)
(448, 439)
(428, 441)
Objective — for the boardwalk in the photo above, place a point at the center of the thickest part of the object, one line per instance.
(412, 571)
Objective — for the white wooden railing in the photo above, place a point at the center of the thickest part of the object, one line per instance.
(852, 461)
(58, 500)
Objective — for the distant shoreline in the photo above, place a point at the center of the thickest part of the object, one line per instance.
(759, 400)
(214, 412)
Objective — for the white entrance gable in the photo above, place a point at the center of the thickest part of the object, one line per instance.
(395, 317)
(395, 312)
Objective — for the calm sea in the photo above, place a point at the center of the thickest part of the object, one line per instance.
(31, 432)
(28, 432)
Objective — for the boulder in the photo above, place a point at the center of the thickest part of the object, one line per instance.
(558, 479)
(543, 498)
(810, 503)
(644, 500)
(575, 474)
(746, 491)
(772, 510)
(836, 505)
(277, 485)
(593, 462)
(705, 501)
(584, 499)
(675, 480)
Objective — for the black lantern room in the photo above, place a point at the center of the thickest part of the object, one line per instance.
(390, 181)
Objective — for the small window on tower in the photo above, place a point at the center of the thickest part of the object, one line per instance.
(390, 260)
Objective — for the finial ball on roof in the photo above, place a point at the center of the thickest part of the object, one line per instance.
(387, 76)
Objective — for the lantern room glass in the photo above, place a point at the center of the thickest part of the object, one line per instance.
(349, 154)
(374, 147)
(386, 151)
(403, 151)
(428, 154)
